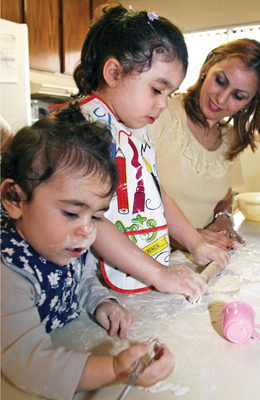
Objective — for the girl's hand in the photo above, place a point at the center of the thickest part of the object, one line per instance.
(159, 369)
(114, 318)
(181, 280)
(218, 239)
(205, 253)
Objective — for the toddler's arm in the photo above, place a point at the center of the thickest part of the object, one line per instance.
(96, 299)
(103, 371)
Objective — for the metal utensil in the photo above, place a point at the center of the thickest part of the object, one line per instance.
(141, 365)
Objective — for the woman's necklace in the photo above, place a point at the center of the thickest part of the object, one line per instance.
(211, 148)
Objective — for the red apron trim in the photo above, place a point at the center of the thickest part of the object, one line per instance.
(141, 231)
(126, 291)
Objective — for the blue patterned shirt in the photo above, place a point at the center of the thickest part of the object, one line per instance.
(55, 287)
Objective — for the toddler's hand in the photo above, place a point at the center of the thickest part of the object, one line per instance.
(159, 369)
(205, 253)
(114, 318)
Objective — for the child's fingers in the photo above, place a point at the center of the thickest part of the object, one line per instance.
(160, 369)
(120, 323)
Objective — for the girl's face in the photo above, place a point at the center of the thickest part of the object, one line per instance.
(227, 88)
(138, 99)
(60, 220)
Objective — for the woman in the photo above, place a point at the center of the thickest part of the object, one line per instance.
(196, 146)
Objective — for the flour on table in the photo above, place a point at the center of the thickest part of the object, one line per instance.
(177, 390)
(226, 284)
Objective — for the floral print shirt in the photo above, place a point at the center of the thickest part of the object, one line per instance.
(55, 287)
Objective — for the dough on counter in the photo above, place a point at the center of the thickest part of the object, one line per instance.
(226, 284)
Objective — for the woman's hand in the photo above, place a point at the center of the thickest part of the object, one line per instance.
(223, 224)
(218, 239)
(114, 318)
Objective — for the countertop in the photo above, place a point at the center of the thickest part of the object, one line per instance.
(208, 367)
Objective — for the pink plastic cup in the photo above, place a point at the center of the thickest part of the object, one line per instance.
(238, 322)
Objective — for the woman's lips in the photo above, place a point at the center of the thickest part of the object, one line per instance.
(213, 107)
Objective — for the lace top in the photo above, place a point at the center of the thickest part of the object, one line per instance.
(197, 179)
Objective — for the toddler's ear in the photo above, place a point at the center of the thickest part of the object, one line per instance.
(111, 72)
(12, 196)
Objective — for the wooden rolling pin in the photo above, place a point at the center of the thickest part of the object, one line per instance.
(211, 271)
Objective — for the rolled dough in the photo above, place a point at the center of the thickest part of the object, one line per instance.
(226, 284)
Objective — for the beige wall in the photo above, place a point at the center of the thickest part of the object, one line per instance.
(192, 15)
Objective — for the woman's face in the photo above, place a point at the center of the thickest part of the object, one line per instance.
(227, 88)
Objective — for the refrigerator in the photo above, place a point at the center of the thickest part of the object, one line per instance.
(15, 106)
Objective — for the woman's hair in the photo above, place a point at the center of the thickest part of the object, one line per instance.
(66, 140)
(246, 122)
(133, 38)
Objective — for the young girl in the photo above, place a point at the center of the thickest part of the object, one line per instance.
(130, 64)
(57, 182)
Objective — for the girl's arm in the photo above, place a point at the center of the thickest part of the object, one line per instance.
(118, 250)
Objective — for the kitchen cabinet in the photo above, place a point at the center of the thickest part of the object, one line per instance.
(57, 29)
(43, 20)
(75, 25)
(12, 10)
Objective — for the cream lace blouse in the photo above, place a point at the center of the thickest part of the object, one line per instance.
(197, 179)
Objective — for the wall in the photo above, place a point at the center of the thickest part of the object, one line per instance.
(192, 15)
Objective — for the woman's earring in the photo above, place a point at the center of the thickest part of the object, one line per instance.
(203, 76)
(242, 110)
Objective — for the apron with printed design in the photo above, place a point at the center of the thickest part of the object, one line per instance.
(136, 208)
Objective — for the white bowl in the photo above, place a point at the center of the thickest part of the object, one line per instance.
(249, 205)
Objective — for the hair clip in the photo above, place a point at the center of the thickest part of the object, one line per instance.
(152, 16)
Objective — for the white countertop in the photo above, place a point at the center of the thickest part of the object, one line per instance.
(208, 367)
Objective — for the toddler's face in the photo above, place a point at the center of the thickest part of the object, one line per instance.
(60, 220)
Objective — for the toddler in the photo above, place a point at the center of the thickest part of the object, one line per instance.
(57, 182)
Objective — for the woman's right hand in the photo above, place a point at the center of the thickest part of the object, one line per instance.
(218, 239)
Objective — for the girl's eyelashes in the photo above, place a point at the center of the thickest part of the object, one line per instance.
(94, 218)
(156, 91)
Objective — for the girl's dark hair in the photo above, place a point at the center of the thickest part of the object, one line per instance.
(132, 38)
(246, 123)
(66, 140)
